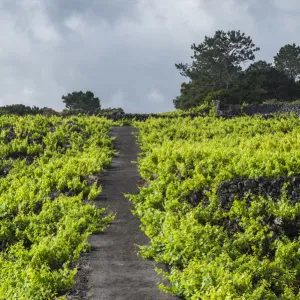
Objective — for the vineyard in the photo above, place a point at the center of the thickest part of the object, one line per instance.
(46, 189)
(219, 239)
(219, 201)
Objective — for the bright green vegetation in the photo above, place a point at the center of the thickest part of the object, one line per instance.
(45, 190)
(215, 253)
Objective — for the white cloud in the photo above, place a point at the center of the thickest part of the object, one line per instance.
(27, 55)
(117, 100)
(35, 22)
(155, 96)
(43, 30)
(287, 5)
(76, 24)
(43, 56)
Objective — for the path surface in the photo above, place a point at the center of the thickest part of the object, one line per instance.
(113, 270)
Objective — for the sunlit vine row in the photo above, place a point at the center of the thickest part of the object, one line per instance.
(212, 253)
(44, 222)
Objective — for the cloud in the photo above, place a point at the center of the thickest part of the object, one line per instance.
(123, 50)
(156, 97)
(27, 54)
(75, 23)
(117, 100)
(287, 6)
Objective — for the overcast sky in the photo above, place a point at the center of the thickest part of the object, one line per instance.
(123, 50)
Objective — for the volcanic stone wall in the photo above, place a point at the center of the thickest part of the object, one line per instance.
(264, 187)
(240, 187)
(255, 109)
(144, 117)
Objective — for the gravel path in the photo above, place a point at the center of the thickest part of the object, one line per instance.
(113, 270)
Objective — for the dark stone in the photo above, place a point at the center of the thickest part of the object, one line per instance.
(91, 179)
(296, 180)
(29, 159)
(250, 184)
(240, 185)
(265, 110)
(11, 135)
(196, 197)
(233, 189)
(4, 170)
(38, 207)
(291, 228)
(231, 198)
(54, 195)
(224, 185)
(266, 187)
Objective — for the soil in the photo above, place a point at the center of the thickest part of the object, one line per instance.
(113, 269)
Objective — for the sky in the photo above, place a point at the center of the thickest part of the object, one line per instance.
(124, 51)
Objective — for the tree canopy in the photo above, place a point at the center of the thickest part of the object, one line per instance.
(86, 102)
(287, 60)
(217, 61)
(217, 71)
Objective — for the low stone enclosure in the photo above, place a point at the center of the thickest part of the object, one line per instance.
(228, 111)
(239, 188)
(222, 110)
(144, 117)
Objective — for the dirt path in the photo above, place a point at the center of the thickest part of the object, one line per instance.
(113, 270)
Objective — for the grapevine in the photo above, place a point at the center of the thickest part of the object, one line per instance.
(243, 252)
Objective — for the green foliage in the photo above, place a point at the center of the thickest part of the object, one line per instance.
(82, 101)
(46, 111)
(216, 67)
(263, 81)
(44, 223)
(259, 82)
(108, 111)
(218, 59)
(192, 94)
(19, 109)
(287, 60)
(225, 96)
(216, 70)
(215, 253)
(205, 109)
(23, 110)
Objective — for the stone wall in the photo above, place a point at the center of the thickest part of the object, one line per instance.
(227, 191)
(255, 109)
(240, 187)
(144, 117)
